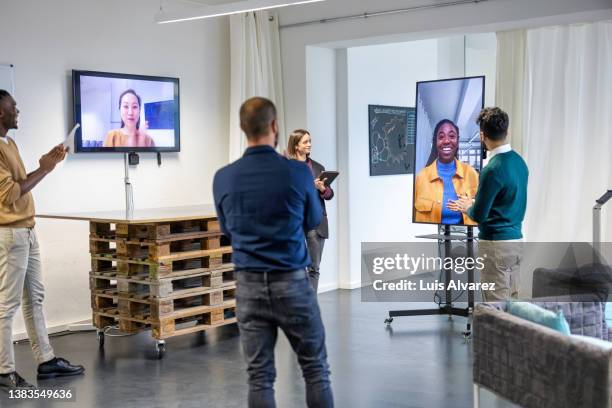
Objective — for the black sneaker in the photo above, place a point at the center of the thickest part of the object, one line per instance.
(58, 367)
(13, 381)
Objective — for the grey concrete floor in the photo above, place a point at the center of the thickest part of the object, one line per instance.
(419, 362)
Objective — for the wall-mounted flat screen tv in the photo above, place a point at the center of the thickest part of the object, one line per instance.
(448, 151)
(125, 113)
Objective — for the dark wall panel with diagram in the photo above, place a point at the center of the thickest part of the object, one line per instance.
(392, 130)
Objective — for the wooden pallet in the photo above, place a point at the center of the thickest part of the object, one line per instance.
(105, 303)
(157, 250)
(194, 320)
(171, 277)
(156, 308)
(102, 320)
(103, 282)
(102, 230)
(142, 287)
(167, 265)
(100, 246)
(182, 322)
(155, 231)
(153, 249)
(102, 264)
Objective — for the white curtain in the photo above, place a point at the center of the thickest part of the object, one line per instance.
(510, 85)
(255, 71)
(568, 129)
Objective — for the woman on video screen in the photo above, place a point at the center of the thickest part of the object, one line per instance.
(131, 134)
(444, 178)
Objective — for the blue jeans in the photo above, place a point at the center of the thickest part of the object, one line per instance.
(265, 302)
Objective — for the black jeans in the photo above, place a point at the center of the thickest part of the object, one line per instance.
(315, 243)
(265, 302)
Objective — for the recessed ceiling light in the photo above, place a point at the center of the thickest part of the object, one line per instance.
(226, 9)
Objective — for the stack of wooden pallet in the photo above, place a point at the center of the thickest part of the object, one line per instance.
(171, 277)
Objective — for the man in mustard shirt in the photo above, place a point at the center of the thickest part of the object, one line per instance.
(20, 266)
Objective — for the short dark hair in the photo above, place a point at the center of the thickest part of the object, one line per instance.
(4, 94)
(256, 116)
(493, 123)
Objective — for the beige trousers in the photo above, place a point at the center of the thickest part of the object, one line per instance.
(502, 262)
(21, 284)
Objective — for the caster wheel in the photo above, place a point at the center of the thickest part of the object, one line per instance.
(100, 336)
(160, 349)
(388, 320)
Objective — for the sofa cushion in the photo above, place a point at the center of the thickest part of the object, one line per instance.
(584, 318)
(539, 315)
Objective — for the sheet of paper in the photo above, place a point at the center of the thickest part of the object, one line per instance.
(69, 141)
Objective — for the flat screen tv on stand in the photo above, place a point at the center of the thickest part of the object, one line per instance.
(126, 113)
(448, 159)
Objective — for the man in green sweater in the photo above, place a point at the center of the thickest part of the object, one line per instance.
(499, 207)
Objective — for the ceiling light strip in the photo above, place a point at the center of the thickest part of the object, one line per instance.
(225, 10)
(382, 13)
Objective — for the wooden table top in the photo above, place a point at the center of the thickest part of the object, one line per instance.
(140, 216)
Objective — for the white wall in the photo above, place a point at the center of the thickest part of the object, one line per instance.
(479, 60)
(321, 96)
(343, 196)
(451, 57)
(381, 206)
(490, 16)
(45, 41)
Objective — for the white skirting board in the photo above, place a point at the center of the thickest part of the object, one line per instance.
(327, 288)
(335, 286)
(85, 325)
(350, 285)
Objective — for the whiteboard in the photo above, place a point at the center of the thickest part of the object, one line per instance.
(7, 78)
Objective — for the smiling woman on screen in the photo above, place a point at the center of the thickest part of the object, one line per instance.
(131, 134)
(444, 178)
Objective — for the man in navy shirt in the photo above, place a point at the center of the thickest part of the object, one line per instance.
(265, 203)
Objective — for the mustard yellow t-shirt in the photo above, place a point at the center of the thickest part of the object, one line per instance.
(116, 138)
(16, 210)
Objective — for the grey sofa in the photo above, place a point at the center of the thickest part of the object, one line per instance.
(537, 367)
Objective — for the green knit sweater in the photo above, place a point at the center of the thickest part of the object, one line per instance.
(501, 199)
